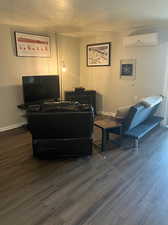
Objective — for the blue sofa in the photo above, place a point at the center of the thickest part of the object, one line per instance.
(138, 122)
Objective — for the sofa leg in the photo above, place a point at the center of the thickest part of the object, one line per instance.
(34, 147)
(35, 153)
(137, 145)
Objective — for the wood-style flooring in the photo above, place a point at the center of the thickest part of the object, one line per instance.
(118, 187)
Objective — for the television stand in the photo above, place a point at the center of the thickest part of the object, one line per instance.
(26, 105)
(22, 106)
(49, 103)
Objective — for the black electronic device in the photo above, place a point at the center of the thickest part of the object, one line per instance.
(37, 89)
(33, 108)
(79, 89)
(83, 97)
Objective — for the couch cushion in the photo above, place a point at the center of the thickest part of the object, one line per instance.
(137, 114)
(145, 127)
(151, 101)
(122, 112)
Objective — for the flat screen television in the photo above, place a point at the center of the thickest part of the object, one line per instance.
(40, 88)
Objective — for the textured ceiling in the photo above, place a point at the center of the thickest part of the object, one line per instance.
(80, 17)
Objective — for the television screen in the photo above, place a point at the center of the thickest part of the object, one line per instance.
(40, 88)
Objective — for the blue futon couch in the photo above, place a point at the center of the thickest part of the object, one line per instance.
(140, 120)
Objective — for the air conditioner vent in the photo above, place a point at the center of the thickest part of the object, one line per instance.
(141, 40)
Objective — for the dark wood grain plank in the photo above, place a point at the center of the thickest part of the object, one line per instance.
(117, 187)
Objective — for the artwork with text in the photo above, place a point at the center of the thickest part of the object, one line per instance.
(32, 45)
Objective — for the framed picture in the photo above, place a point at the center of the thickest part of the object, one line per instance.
(30, 45)
(127, 68)
(99, 54)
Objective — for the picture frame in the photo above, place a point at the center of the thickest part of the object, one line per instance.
(31, 45)
(98, 54)
(128, 69)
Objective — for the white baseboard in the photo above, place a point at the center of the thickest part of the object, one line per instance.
(13, 126)
(106, 113)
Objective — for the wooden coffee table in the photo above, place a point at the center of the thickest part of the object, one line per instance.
(106, 125)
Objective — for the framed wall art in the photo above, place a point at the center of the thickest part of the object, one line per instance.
(98, 54)
(127, 69)
(30, 45)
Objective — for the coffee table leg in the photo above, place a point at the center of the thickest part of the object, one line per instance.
(104, 140)
(121, 134)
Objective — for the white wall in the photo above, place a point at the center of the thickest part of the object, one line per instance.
(12, 68)
(113, 91)
(69, 53)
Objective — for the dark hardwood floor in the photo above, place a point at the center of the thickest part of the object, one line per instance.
(118, 187)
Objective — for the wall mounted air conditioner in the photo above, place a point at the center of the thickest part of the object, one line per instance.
(141, 40)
